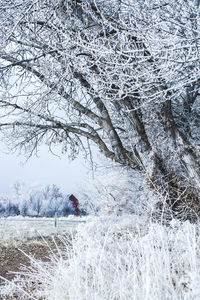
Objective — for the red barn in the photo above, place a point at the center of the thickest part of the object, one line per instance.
(75, 204)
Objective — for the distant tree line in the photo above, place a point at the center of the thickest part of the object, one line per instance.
(36, 201)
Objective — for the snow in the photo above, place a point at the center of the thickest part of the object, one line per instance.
(25, 227)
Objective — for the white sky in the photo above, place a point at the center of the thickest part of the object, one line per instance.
(45, 169)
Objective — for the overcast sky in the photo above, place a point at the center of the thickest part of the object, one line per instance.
(45, 169)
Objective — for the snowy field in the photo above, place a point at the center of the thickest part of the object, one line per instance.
(25, 227)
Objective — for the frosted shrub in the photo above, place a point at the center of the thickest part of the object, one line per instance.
(119, 258)
(116, 191)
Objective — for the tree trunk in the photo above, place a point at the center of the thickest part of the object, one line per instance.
(175, 165)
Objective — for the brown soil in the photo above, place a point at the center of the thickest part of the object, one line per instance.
(11, 258)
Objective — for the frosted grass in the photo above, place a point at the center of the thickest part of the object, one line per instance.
(118, 259)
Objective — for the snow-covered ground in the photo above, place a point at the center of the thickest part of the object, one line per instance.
(25, 227)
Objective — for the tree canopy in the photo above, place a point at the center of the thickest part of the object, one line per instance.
(124, 75)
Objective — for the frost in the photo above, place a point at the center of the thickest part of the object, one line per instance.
(123, 257)
(40, 201)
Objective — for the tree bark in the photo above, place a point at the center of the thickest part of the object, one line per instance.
(175, 167)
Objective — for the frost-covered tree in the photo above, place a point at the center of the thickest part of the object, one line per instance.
(119, 192)
(41, 201)
(11, 208)
(37, 202)
(124, 75)
(52, 199)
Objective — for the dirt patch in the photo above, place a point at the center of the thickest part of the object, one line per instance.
(11, 258)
